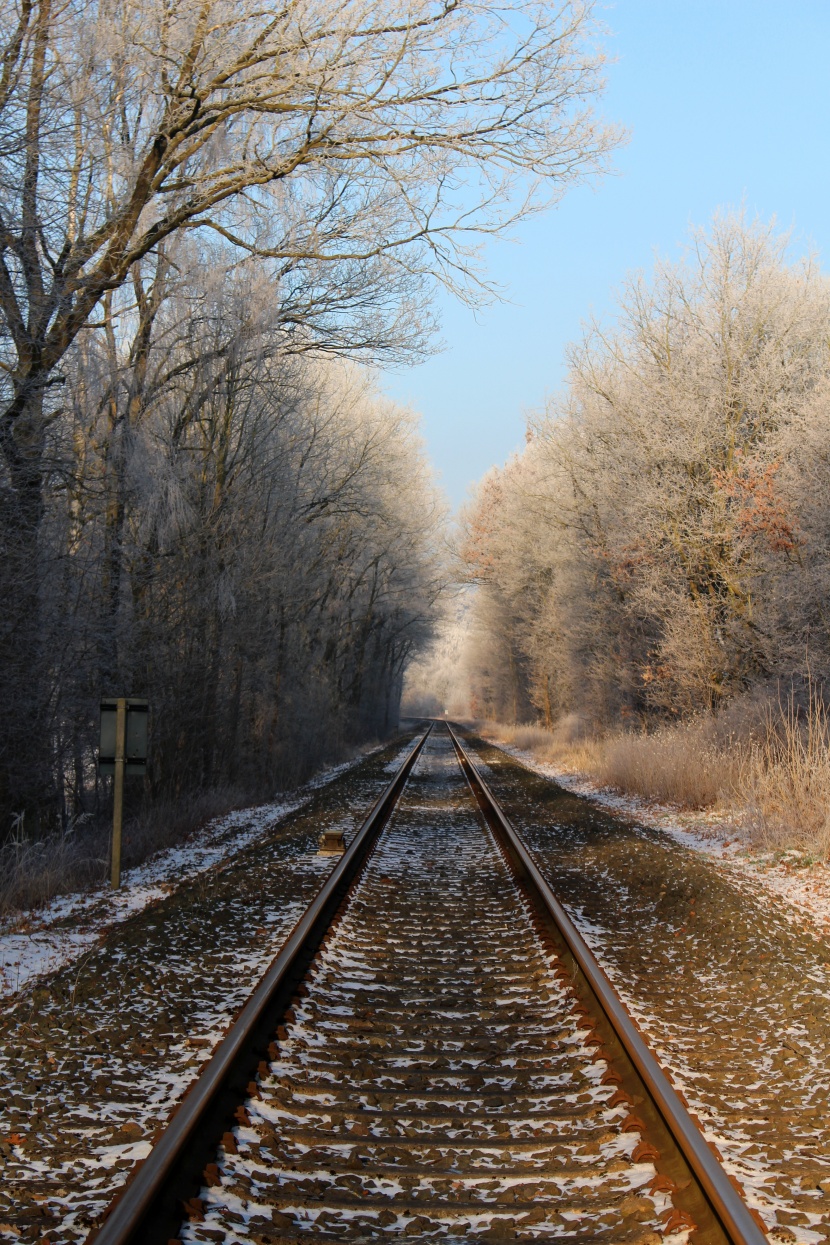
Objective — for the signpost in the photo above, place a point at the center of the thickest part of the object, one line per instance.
(122, 751)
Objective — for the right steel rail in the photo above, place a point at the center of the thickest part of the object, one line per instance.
(728, 1209)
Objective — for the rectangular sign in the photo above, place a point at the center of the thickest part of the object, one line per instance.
(138, 712)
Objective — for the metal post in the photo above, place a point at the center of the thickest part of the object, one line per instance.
(118, 790)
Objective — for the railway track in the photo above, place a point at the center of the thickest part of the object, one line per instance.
(435, 1055)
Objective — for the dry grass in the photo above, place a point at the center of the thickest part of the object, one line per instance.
(767, 762)
(570, 744)
(785, 784)
(33, 872)
(684, 765)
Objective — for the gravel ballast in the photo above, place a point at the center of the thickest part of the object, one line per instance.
(94, 1056)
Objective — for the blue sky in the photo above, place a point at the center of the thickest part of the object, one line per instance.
(726, 103)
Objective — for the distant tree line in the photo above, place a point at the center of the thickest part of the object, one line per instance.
(206, 210)
(663, 541)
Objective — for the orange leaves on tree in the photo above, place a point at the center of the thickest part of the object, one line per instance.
(758, 506)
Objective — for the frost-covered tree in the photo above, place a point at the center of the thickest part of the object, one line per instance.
(662, 540)
(261, 565)
(357, 152)
(357, 147)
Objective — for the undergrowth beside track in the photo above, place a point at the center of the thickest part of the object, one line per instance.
(765, 763)
(36, 870)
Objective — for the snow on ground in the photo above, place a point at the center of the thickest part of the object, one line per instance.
(40, 941)
(733, 1002)
(801, 883)
(392, 766)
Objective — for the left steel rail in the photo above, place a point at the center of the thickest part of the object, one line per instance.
(148, 1210)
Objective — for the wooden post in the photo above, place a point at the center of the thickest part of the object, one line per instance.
(118, 790)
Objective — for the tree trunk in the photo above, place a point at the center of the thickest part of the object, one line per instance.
(25, 772)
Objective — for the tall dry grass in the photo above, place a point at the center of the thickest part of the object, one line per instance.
(785, 783)
(685, 765)
(570, 743)
(765, 761)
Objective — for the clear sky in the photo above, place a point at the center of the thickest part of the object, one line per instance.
(726, 103)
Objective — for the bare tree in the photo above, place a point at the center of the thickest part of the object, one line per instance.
(356, 152)
(276, 552)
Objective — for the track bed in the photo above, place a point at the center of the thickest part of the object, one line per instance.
(433, 1077)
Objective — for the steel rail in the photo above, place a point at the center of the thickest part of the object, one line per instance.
(728, 1206)
(148, 1210)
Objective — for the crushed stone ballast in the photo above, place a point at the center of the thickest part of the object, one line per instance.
(433, 1055)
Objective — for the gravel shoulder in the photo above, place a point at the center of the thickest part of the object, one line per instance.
(94, 1054)
(729, 979)
(798, 880)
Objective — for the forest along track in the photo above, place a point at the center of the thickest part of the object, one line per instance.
(433, 1076)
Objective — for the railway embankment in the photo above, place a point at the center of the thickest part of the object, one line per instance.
(95, 1053)
(443, 1067)
(730, 982)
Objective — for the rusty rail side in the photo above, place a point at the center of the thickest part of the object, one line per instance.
(148, 1210)
(727, 1206)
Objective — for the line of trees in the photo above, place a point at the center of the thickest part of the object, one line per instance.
(663, 541)
(246, 537)
(205, 210)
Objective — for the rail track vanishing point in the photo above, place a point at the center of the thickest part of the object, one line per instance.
(434, 1053)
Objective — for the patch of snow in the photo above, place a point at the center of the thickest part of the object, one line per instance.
(35, 943)
(398, 759)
